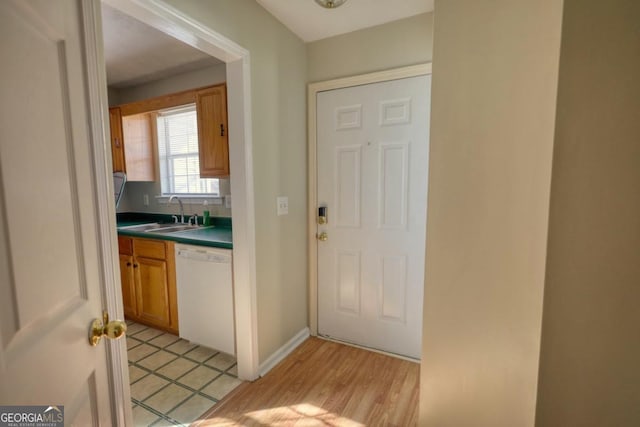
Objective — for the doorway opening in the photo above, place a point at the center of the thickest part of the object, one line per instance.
(175, 24)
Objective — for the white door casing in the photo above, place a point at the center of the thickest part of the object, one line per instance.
(51, 275)
(372, 161)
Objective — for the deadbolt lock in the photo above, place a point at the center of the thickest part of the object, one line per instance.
(322, 215)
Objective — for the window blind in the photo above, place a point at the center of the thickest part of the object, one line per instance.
(178, 153)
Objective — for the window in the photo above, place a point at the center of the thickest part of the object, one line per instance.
(178, 153)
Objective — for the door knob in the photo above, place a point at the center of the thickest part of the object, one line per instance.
(323, 237)
(112, 330)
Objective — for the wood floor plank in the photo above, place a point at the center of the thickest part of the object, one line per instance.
(323, 383)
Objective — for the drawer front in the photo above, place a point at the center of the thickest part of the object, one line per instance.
(147, 248)
(125, 245)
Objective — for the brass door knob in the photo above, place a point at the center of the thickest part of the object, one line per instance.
(323, 237)
(112, 330)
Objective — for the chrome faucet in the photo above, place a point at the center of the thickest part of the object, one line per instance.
(181, 207)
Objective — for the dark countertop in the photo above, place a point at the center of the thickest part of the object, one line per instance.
(217, 236)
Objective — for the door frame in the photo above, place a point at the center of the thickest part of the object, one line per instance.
(171, 21)
(96, 79)
(312, 162)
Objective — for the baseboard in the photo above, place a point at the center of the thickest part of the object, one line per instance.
(375, 350)
(283, 352)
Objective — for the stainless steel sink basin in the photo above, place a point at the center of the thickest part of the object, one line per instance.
(173, 228)
(143, 227)
(159, 228)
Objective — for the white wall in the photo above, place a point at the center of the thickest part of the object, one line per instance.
(590, 358)
(278, 79)
(495, 67)
(392, 45)
(113, 97)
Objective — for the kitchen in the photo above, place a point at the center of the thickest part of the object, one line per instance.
(168, 126)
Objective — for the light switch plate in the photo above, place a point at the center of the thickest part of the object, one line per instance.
(283, 205)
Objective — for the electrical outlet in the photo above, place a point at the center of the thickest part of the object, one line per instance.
(283, 205)
(227, 201)
(145, 199)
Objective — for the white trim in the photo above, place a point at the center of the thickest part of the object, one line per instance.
(243, 217)
(165, 18)
(312, 91)
(117, 369)
(283, 351)
(377, 77)
(375, 350)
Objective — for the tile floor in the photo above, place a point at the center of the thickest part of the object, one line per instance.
(173, 382)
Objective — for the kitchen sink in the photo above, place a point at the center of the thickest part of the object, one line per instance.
(159, 228)
(143, 227)
(173, 228)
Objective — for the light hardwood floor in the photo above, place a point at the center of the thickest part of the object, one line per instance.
(323, 383)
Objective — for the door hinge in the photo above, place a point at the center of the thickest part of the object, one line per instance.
(221, 129)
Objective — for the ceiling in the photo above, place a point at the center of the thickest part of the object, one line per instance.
(135, 53)
(312, 22)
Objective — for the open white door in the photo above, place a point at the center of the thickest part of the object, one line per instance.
(50, 272)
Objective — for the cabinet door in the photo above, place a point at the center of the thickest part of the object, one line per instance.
(139, 146)
(152, 291)
(213, 142)
(128, 285)
(117, 145)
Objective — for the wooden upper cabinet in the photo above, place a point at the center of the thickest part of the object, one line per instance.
(139, 146)
(213, 142)
(134, 133)
(117, 146)
(133, 144)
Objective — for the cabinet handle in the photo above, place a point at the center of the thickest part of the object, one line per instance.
(128, 264)
(135, 265)
(221, 129)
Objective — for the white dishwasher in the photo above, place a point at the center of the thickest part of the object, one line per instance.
(205, 296)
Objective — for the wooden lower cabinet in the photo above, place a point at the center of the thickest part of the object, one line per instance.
(148, 274)
(152, 291)
(128, 285)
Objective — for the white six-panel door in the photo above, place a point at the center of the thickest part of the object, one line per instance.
(372, 161)
(50, 277)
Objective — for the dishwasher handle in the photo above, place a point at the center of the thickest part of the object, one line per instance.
(205, 256)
